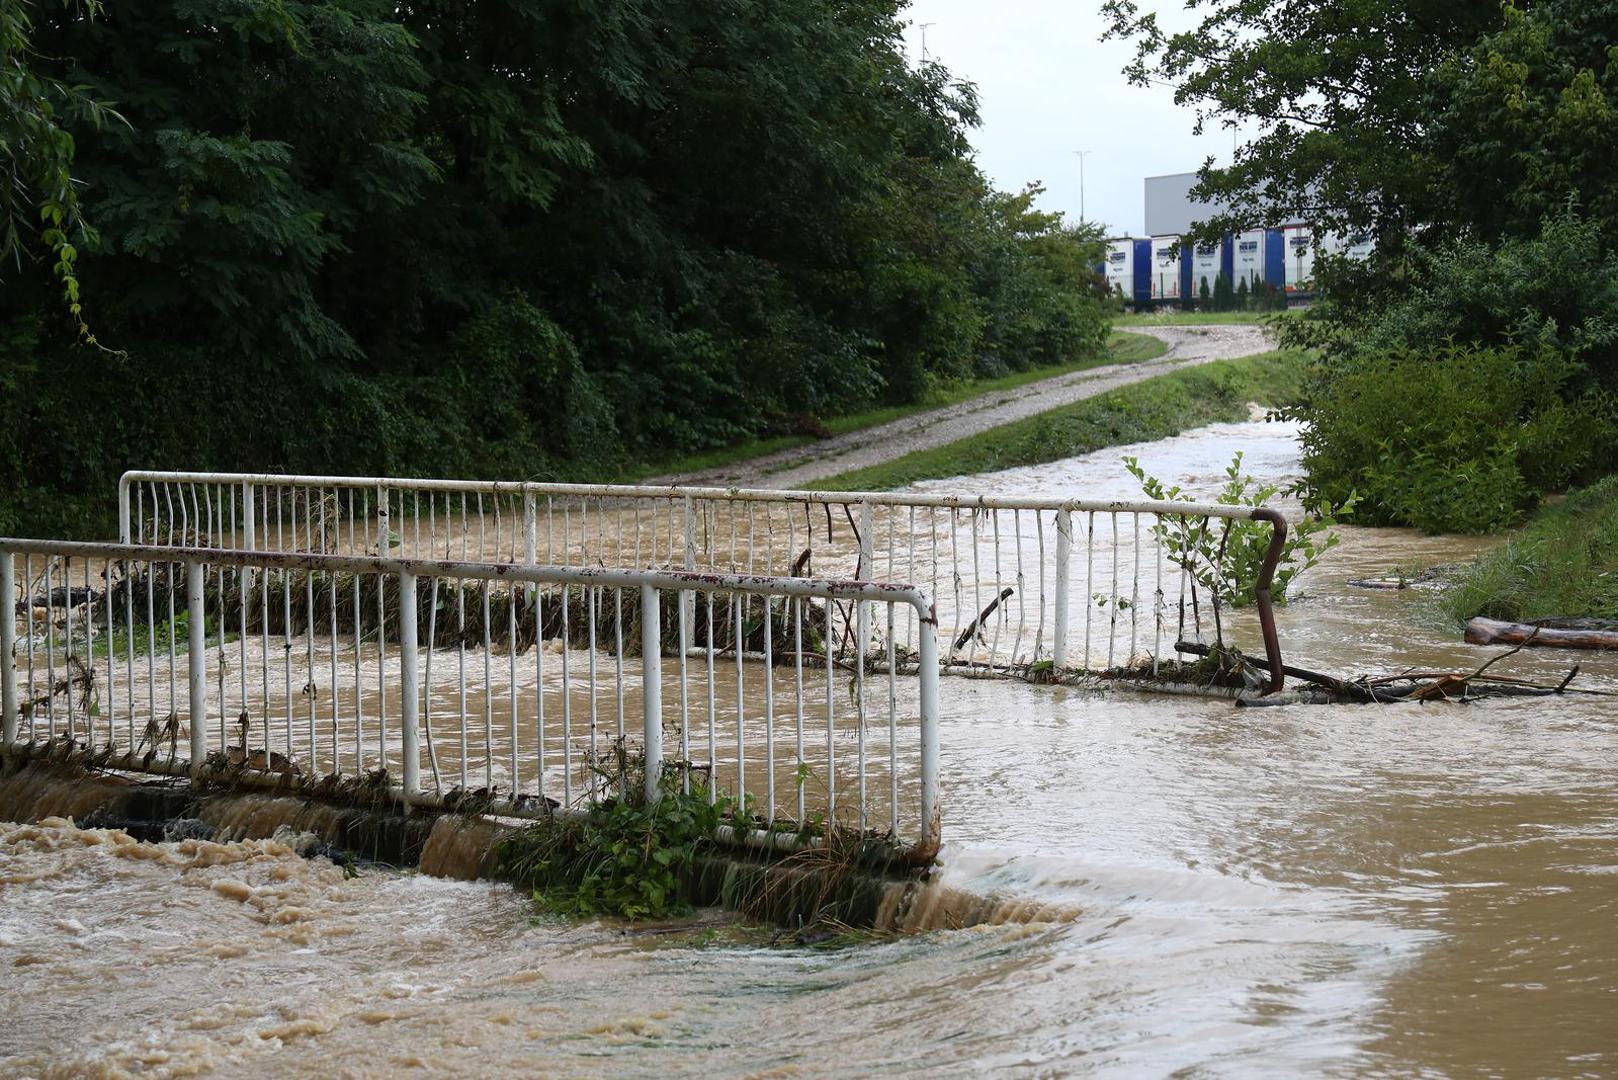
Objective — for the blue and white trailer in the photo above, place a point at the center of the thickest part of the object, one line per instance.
(1260, 259)
(1170, 269)
(1208, 262)
(1129, 270)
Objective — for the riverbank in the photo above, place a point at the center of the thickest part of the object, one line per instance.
(811, 465)
(1156, 408)
(1563, 562)
(1122, 348)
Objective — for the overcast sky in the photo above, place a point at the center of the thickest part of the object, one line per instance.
(1048, 87)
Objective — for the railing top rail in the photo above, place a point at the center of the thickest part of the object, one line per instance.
(665, 580)
(632, 491)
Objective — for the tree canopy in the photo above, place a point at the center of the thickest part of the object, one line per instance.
(1398, 118)
(526, 237)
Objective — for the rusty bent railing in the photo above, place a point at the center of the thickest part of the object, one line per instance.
(456, 683)
(1069, 585)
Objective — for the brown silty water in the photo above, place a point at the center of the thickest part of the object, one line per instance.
(1410, 889)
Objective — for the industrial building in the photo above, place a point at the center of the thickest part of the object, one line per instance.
(1162, 268)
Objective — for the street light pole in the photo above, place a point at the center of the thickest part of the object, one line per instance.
(1080, 154)
(923, 28)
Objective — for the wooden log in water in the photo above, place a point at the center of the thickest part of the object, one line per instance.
(1482, 631)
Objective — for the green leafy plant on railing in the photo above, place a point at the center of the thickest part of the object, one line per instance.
(628, 857)
(1224, 556)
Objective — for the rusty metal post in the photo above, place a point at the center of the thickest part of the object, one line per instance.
(1261, 594)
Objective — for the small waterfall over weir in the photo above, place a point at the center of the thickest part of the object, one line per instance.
(795, 891)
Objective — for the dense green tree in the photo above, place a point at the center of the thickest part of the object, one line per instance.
(1396, 118)
(39, 197)
(542, 238)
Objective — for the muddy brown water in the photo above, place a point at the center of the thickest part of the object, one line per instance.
(1403, 890)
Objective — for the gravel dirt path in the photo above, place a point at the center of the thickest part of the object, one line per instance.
(802, 466)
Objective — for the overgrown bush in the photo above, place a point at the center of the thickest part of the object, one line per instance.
(1457, 439)
(1225, 556)
(627, 858)
(1557, 288)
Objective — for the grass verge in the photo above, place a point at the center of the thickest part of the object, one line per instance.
(1198, 318)
(1151, 409)
(1122, 348)
(1563, 562)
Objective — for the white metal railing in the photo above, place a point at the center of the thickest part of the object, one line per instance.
(508, 686)
(1073, 584)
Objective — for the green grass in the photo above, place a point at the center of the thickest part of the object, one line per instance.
(1563, 562)
(1199, 318)
(1122, 348)
(1154, 408)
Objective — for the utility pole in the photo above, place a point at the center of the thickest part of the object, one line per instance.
(923, 28)
(1080, 154)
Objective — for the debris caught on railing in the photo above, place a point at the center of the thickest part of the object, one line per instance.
(1228, 673)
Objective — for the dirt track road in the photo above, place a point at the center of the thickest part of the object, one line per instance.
(802, 466)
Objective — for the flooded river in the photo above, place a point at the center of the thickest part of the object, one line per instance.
(1403, 890)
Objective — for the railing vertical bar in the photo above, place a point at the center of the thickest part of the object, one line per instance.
(8, 644)
(539, 692)
(68, 660)
(713, 746)
(860, 714)
(384, 547)
(999, 589)
(1134, 590)
(929, 826)
(1112, 604)
(1089, 581)
(1064, 557)
(427, 691)
(567, 703)
(741, 706)
(594, 604)
(618, 638)
(769, 710)
(460, 660)
(197, 673)
(488, 678)
(652, 689)
(409, 701)
(893, 730)
(50, 654)
(797, 658)
(511, 680)
(1158, 605)
(685, 689)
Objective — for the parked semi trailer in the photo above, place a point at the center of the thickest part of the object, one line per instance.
(1209, 262)
(1170, 270)
(1260, 258)
(1129, 270)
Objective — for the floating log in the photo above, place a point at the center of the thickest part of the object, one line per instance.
(1482, 631)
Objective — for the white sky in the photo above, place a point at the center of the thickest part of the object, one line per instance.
(1047, 86)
